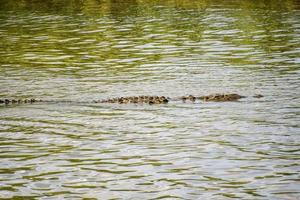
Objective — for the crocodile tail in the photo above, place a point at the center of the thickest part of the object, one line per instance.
(18, 101)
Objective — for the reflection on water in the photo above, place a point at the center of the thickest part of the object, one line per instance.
(85, 50)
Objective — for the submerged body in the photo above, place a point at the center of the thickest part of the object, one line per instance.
(222, 97)
(141, 99)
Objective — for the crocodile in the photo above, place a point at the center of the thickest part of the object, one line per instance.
(141, 99)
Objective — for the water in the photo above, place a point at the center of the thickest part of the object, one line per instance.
(89, 50)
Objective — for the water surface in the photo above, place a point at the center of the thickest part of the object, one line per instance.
(89, 50)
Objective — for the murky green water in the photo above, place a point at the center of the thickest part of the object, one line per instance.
(88, 50)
